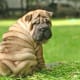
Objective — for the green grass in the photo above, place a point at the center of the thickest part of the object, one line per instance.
(64, 46)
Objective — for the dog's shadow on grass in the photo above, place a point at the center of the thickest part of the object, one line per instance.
(52, 70)
(61, 70)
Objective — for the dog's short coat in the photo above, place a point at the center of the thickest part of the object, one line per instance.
(21, 48)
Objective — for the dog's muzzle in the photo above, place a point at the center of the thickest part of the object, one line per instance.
(46, 32)
(42, 33)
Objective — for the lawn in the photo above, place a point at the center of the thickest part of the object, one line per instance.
(62, 49)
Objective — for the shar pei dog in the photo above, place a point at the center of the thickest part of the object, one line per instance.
(21, 48)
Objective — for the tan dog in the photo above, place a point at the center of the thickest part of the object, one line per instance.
(21, 48)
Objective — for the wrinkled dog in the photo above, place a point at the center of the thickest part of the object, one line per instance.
(21, 48)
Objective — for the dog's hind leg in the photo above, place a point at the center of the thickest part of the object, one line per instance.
(4, 70)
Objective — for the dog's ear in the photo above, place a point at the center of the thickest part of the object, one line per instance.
(28, 17)
(50, 13)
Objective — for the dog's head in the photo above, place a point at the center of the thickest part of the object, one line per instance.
(39, 24)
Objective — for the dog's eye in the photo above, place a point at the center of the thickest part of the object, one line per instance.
(48, 22)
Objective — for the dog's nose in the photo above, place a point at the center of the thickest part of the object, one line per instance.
(44, 29)
(47, 34)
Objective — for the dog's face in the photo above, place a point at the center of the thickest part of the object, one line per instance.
(40, 27)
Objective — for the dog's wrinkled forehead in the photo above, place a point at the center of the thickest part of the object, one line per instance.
(41, 13)
(38, 13)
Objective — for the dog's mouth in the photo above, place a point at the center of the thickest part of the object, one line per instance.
(47, 34)
(43, 36)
